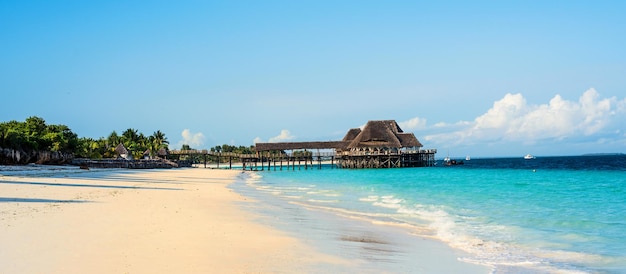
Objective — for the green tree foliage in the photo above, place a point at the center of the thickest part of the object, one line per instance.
(235, 149)
(35, 134)
(136, 142)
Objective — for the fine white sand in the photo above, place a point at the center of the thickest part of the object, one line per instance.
(155, 221)
(67, 220)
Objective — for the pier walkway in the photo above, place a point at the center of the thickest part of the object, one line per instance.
(298, 156)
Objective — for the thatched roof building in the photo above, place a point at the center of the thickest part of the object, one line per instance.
(380, 134)
(162, 152)
(352, 134)
(123, 152)
(380, 144)
(121, 149)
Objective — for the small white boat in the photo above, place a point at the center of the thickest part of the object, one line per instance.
(467, 158)
(529, 157)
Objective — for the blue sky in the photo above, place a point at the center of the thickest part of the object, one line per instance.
(484, 78)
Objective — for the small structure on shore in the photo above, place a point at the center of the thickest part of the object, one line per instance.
(122, 152)
(162, 153)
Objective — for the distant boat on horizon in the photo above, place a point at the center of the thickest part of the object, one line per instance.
(467, 158)
(529, 157)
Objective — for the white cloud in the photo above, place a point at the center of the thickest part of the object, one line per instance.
(194, 140)
(511, 119)
(503, 112)
(284, 135)
(416, 123)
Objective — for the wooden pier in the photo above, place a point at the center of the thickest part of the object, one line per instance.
(419, 158)
(381, 144)
(258, 161)
(271, 160)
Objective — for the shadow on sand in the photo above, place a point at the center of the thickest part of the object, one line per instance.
(86, 185)
(35, 200)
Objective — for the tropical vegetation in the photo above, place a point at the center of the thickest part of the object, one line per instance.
(132, 139)
(35, 135)
(234, 149)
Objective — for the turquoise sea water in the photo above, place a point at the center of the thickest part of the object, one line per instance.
(550, 214)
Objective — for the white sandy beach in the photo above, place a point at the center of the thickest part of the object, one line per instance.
(66, 220)
(156, 221)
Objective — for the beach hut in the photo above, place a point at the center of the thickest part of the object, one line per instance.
(162, 153)
(146, 154)
(122, 152)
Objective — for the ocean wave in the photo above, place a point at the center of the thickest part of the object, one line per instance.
(371, 198)
(387, 201)
(323, 201)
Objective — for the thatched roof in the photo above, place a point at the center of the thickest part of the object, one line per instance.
(408, 140)
(352, 133)
(384, 133)
(120, 149)
(147, 152)
(162, 152)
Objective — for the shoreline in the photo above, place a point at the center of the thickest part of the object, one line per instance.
(191, 220)
(374, 247)
(141, 221)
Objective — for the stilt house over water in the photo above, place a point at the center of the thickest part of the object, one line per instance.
(381, 144)
(380, 137)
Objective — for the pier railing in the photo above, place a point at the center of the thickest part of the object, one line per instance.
(299, 154)
(265, 160)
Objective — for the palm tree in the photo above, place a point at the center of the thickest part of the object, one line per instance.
(160, 137)
(114, 139)
(130, 135)
(158, 140)
(129, 138)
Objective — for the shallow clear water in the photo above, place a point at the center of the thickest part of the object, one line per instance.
(546, 215)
